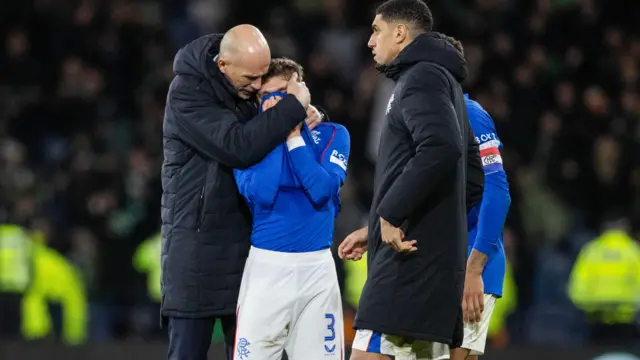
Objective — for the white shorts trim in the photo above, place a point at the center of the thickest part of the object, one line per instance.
(475, 335)
(392, 345)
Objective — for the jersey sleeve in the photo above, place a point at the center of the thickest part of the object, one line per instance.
(259, 183)
(487, 138)
(495, 198)
(322, 180)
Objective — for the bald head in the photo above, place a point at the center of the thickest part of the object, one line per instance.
(244, 40)
(244, 57)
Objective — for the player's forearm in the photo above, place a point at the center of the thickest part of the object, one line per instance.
(493, 213)
(317, 182)
(365, 232)
(476, 262)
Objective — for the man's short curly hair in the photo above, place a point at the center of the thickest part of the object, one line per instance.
(414, 12)
(285, 68)
(450, 40)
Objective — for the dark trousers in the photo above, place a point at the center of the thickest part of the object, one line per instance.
(10, 316)
(614, 335)
(189, 339)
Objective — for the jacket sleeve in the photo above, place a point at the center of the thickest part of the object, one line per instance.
(321, 180)
(496, 198)
(259, 183)
(431, 119)
(218, 134)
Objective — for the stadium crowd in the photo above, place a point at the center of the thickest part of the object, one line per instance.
(83, 86)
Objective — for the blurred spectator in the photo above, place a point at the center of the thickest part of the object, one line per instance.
(605, 284)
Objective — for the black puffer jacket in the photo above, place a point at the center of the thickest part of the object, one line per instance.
(427, 150)
(206, 225)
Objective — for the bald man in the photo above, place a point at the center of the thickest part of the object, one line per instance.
(212, 126)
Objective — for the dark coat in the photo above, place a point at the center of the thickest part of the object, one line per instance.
(206, 225)
(420, 186)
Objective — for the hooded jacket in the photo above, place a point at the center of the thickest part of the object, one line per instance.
(420, 185)
(206, 226)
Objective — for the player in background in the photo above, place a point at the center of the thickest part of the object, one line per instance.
(486, 265)
(289, 298)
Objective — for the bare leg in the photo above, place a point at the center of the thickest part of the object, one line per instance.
(459, 354)
(361, 355)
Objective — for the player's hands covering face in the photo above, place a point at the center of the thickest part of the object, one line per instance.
(314, 117)
(394, 237)
(270, 102)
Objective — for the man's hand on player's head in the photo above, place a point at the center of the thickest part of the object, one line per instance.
(314, 117)
(394, 237)
(473, 298)
(354, 246)
(299, 90)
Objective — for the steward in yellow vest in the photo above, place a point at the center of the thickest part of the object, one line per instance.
(16, 269)
(605, 280)
(55, 282)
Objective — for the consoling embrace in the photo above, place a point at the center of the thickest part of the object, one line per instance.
(244, 178)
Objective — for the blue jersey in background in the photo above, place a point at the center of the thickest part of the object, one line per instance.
(486, 219)
(293, 193)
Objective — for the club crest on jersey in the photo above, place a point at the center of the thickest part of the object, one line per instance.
(390, 103)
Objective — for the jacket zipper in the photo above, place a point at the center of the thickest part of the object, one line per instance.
(200, 212)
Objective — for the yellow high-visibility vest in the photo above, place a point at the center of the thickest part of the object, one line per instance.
(147, 260)
(505, 305)
(56, 281)
(606, 278)
(15, 259)
(355, 277)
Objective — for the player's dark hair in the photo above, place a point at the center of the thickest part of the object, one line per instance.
(414, 12)
(285, 68)
(450, 40)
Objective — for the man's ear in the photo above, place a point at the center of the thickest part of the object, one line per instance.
(401, 33)
(222, 65)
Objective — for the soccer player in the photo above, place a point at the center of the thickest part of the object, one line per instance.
(486, 265)
(417, 236)
(289, 298)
